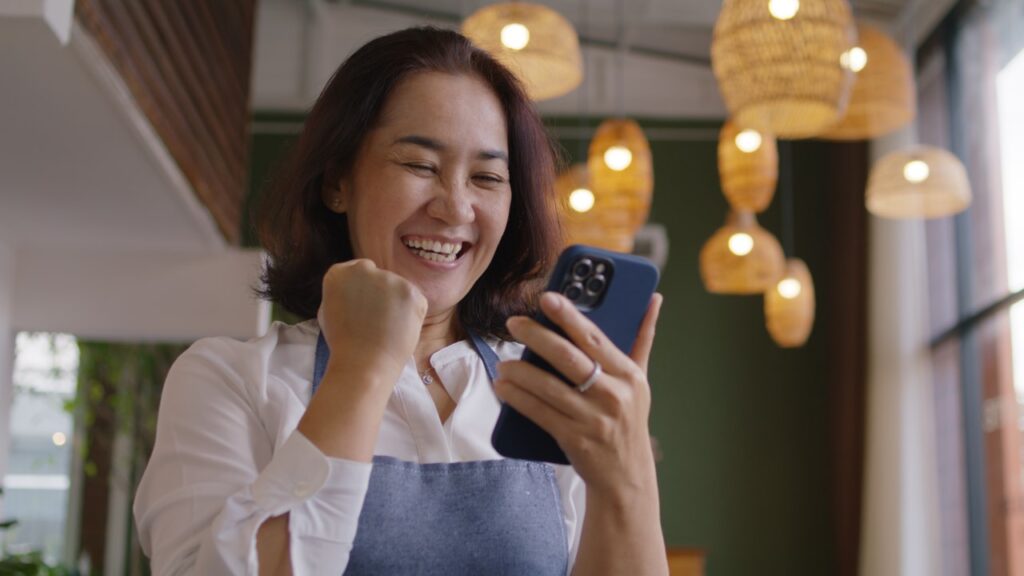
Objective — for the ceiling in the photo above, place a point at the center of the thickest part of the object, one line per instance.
(671, 27)
(76, 170)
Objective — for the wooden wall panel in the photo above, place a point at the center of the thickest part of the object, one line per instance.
(187, 63)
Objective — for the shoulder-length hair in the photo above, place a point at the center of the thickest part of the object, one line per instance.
(303, 238)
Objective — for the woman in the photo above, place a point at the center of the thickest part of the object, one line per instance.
(411, 227)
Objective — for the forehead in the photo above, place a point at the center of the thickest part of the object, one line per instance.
(458, 108)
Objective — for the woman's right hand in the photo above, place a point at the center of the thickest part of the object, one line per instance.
(371, 320)
(370, 316)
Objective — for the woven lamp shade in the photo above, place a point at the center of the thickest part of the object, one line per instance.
(884, 96)
(625, 194)
(549, 65)
(922, 182)
(726, 272)
(748, 177)
(780, 76)
(789, 306)
(600, 225)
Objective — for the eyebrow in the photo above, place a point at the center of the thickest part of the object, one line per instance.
(437, 146)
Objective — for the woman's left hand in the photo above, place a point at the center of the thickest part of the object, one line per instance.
(603, 431)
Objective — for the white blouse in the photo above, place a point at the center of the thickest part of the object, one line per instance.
(228, 455)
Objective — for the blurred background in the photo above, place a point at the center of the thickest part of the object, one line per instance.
(833, 190)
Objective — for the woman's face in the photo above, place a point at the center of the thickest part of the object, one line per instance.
(428, 196)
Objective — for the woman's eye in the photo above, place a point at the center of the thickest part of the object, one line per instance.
(424, 168)
(490, 178)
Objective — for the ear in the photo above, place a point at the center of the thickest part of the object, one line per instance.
(335, 197)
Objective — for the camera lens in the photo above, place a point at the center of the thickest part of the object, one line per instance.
(582, 268)
(596, 284)
(574, 291)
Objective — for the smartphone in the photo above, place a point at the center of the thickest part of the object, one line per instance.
(614, 291)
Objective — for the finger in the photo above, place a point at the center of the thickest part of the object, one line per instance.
(584, 333)
(542, 414)
(558, 351)
(547, 387)
(641, 352)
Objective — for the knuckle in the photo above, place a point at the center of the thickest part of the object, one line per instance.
(637, 378)
(618, 400)
(579, 445)
(604, 429)
(594, 337)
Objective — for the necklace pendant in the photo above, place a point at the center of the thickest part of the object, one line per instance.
(426, 377)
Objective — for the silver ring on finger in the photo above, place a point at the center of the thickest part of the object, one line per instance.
(594, 375)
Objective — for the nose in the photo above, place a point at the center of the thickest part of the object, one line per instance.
(453, 202)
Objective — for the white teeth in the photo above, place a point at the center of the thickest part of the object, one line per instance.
(434, 257)
(445, 248)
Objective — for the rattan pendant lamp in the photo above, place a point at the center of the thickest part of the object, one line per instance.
(920, 182)
(884, 96)
(748, 167)
(620, 164)
(534, 41)
(588, 218)
(789, 306)
(778, 63)
(741, 257)
(621, 176)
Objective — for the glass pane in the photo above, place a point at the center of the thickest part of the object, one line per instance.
(1010, 88)
(37, 480)
(1010, 94)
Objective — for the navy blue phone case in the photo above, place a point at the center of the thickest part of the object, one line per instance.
(619, 314)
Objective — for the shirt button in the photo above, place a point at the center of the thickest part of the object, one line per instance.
(302, 489)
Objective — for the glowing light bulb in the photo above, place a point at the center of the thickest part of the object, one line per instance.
(916, 171)
(59, 439)
(789, 288)
(515, 36)
(618, 158)
(748, 140)
(784, 9)
(854, 59)
(741, 243)
(581, 200)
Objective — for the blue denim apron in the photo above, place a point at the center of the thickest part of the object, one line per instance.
(483, 517)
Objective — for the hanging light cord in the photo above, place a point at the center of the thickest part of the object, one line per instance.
(786, 148)
(620, 95)
(583, 92)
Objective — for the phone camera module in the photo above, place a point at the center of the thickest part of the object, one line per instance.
(574, 291)
(582, 269)
(596, 285)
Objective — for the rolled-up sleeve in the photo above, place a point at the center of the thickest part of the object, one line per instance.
(215, 476)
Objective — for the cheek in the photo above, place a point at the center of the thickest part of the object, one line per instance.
(497, 219)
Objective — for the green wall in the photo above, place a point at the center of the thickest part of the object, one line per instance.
(742, 424)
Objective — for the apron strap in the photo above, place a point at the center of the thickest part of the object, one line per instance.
(487, 354)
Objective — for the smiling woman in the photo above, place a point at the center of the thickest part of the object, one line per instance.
(409, 229)
(372, 112)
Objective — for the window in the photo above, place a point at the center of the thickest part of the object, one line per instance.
(1010, 95)
(38, 475)
(971, 86)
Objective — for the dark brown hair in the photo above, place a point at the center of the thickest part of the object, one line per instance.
(304, 238)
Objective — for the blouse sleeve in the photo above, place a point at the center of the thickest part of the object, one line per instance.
(215, 476)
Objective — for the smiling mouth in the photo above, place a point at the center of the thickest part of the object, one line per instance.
(436, 251)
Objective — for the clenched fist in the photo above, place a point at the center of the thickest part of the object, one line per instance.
(370, 315)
